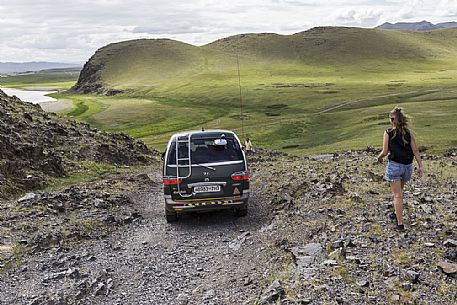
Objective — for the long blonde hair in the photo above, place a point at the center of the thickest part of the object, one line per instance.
(401, 123)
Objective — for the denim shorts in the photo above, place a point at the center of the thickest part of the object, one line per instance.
(396, 171)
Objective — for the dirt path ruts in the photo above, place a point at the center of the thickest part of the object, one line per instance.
(188, 262)
(210, 258)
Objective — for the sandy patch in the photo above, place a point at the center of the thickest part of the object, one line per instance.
(59, 106)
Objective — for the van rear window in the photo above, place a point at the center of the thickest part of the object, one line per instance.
(205, 151)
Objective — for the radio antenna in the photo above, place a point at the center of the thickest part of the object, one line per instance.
(241, 98)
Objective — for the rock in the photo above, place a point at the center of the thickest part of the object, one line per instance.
(73, 273)
(36, 146)
(412, 276)
(448, 268)
(27, 198)
(374, 238)
(406, 286)
(336, 254)
(353, 258)
(450, 243)
(338, 244)
(307, 259)
(209, 294)
(329, 262)
(247, 281)
(355, 197)
(450, 254)
(427, 209)
(143, 177)
(395, 298)
(100, 289)
(80, 295)
(109, 285)
(273, 293)
(350, 244)
(37, 301)
(363, 283)
(236, 243)
(340, 300)
(429, 245)
(182, 299)
(427, 199)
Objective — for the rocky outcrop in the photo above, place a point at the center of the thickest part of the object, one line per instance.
(36, 146)
(89, 80)
(335, 224)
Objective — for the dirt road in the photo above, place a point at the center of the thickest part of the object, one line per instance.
(209, 258)
(317, 232)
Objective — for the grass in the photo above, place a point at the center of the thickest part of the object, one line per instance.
(61, 80)
(88, 171)
(299, 94)
(299, 128)
(303, 126)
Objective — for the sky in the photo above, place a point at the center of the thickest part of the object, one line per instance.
(72, 30)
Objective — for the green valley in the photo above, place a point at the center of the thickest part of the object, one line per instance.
(319, 91)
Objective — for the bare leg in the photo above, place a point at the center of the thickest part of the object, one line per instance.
(403, 183)
(397, 190)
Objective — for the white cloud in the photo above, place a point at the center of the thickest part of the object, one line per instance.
(447, 8)
(71, 31)
(364, 18)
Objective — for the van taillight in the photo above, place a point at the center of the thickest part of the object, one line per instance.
(171, 181)
(240, 176)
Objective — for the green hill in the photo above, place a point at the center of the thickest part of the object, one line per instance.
(147, 63)
(302, 93)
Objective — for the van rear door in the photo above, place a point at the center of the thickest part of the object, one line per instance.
(218, 169)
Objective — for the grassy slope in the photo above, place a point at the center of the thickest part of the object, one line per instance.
(60, 79)
(323, 90)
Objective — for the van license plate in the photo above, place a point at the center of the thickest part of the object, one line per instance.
(207, 189)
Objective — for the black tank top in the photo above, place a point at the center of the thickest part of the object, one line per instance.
(398, 150)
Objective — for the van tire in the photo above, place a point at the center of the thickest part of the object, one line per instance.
(240, 212)
(171, 217)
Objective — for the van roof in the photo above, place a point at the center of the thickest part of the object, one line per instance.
(205, 133)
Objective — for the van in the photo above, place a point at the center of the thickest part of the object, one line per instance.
(205, 170)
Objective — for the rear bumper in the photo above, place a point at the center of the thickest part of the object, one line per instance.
(206, 205)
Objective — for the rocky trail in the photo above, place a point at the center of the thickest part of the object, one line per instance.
(82, 222)
(206, 258)
(317, 232)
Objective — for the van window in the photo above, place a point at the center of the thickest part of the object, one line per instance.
(205, 151)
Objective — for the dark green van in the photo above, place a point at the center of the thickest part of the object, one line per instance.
(205, 170)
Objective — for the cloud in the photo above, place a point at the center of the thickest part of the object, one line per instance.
(447, 8)
(72, 30)
(362, 18)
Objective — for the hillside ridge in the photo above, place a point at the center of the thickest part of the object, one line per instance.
(148, 63)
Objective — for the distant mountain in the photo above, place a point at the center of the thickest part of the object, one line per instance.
(19, 67)
(417, 26)
(445, 25)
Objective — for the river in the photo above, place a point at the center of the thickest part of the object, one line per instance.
(32, 96)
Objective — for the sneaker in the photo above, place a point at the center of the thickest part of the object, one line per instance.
(400, 227)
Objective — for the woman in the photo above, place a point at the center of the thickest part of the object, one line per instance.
(400, 145)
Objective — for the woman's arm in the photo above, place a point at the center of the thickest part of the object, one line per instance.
(385, 147)
(420, 170)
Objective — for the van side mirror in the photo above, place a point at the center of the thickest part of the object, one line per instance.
(162, 157)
